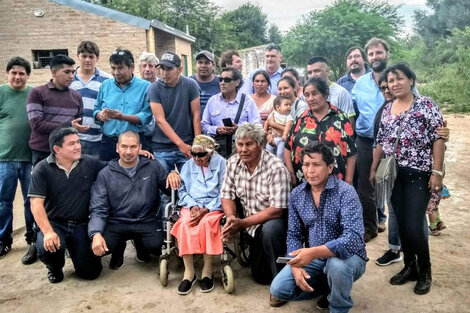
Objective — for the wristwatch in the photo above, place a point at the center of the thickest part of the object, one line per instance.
(440, 173)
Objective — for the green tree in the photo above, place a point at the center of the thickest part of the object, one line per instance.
(248, 23)
(274, 34)
(443, 15)
(333, 30)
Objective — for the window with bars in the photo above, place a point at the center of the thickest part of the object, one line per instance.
(42, 58)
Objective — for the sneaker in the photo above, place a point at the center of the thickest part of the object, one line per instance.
(381, 227)
(186, 286)
(55, 275)
(31, 255)
(323, 303)
(207, 284)
(434, 231)
(274, 302)
(388, 258)
(4, 249)
(117, 261)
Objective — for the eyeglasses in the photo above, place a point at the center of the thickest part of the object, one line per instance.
(199, 154)
(383, 88)
(226, 79)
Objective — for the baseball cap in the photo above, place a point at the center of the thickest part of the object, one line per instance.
(206, 54)
(170, 59)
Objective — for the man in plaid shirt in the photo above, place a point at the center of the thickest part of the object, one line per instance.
(259, 184)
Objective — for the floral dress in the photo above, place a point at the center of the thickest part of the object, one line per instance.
(334, 130)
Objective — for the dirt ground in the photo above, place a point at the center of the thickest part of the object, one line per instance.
(136, 288)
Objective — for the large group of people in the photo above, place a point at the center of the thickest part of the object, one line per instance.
(291, 162)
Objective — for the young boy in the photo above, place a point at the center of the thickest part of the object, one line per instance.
(281, 115)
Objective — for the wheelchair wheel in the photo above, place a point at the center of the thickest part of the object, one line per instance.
(242, 249)
(227, 279)
(164, 272)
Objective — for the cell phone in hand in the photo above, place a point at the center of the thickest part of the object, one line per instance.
(283, 259)
(227, 122)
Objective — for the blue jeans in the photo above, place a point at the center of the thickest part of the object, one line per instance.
(277, 150)
(340, 275)
(168, 160)
(381, 217)
(10, 173)
(73, 237)
(91, 148)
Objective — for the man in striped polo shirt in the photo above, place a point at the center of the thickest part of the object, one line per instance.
(87, 81)
(52, 106)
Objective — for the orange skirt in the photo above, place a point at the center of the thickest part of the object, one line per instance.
(202, 238)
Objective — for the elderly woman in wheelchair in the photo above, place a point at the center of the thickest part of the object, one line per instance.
(197, 231)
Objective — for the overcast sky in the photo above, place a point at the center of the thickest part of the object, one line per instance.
(285, 13)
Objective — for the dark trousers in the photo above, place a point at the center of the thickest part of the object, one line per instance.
(269, 244)
(108, 148)
(410, 197)
(147, 236)
(365, 189)
(38, 156)
(73, 237)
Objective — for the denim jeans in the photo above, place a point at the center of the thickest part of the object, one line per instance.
(410, 197)
(168, 160)
(277, 150)
(340, 275)
(10, 173)
(381, 216)
(108, 148)
(38, 156)
(73, 237)
(91, 148)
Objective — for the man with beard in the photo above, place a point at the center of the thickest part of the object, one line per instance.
(355, 62)
(207, 81)
(368, 99)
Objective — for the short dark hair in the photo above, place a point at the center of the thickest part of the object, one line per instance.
(226, 58)
(273, 46)
(320, 148)
(278, 100)
(122, 56)
(403, 67)
(56, 138)
(59, 60)
(319, 84)
(290, 81)
(236, 75)
(317, 59)
(293, 71)
(19, 61)
(87, 46)
(129, 133)
(264, 73)
(382, 78)
(361, 51)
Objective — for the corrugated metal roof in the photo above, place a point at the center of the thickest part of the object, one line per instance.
(123, 17)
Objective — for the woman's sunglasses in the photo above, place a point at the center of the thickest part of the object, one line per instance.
(199, 154)
(226, 79)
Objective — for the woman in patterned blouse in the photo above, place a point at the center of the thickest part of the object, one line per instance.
(420, 157)
(325, 123)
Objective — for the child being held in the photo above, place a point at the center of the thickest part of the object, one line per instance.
(282, 121)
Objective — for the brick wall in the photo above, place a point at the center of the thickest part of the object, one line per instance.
(60, 28)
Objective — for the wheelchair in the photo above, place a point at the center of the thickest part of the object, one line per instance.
(239, 252)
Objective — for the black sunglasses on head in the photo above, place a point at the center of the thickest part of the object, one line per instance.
(226, 79)
(199, 154)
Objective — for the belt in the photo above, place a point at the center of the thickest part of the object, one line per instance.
(76, 222)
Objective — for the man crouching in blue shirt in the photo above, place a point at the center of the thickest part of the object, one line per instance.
(327, 212)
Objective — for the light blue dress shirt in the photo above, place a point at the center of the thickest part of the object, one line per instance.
(199, 188)
(368, 98)
(132, 100)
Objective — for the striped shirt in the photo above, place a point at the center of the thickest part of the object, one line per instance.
(50, 108)
(268, 186)
(89, 92)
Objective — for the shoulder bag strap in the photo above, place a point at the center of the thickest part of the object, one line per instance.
(240, 108)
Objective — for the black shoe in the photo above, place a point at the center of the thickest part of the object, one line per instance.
(31, 255)
(408, 273)
(388, 258)
(117, 261)
(424, 283)
(323, 303)
(55, 276)
(369, 236)
(4, 249)
(186, 286)
(207, 284)
(141, 256)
